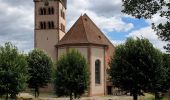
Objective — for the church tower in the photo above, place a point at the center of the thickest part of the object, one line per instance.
(50, 23)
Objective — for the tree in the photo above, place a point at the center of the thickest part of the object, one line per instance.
(72, 76)
(166, 64)
(40, 70)
(146, 9)
(136, 66)
(13, 71)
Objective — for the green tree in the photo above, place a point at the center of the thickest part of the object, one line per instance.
(166, 64)
(72, 76)
(146, 9)
(40, 70)
(13, 71)
(136, 66)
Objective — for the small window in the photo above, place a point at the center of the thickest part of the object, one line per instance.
(41, 11)
(41, 25)
(52, 10)
(63, 15)
(49, 11)
(52, 25)
(44, 11)
(49, 25)
(97, 71)
(44, 24)
(62, 27)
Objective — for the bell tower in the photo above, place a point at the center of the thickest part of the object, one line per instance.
(50, 23)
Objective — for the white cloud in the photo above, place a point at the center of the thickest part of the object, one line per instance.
(117, 42)
(16, 25)
(108, 17)
(148, 33)
(17, 18)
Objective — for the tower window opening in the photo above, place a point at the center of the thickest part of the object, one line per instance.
(44, 23)
(41, 25)
(62, 27)
(41, 11)
(44, 11)
(52, 10)
(49, 11)
(62, 14)
(50, 25)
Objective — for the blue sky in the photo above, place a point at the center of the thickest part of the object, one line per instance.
(138, 24)
(17, 21)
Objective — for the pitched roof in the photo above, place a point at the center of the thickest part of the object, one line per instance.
(84, 31)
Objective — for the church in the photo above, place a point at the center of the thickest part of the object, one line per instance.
(84, 36)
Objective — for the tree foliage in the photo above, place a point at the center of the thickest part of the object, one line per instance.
(166, 64)
(72, 76)
(137, 66)
(13, 71)
(40, 70)
(146, 9)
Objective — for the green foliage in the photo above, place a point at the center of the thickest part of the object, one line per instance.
(166, 65)
(13, 71)
(146, 9)
(137, 66)
(72, 76)
(40, 70)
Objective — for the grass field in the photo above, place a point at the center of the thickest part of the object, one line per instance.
(49, 96)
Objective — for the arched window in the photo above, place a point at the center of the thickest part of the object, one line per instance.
(49, 25)
(52, 25)
(41, 25)
(97, 71)
(41, 11)
(52, 10)
(44, 11)
(49, 11)
(44, 24)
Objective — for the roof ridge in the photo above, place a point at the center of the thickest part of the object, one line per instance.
(85, 30)
(98, 29)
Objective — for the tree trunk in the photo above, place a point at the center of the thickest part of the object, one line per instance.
(38, 92)
(156, 96)
(35, 93)
(6, 96)
(71, 97)
(135, 94)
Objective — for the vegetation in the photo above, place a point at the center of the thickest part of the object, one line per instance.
(72, 76)
(40, 70)
(136, 67)
(13, 71)
(147, 9)
(166, 64)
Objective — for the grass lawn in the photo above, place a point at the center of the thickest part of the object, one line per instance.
(50, 96)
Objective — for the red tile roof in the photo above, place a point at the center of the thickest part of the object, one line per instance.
(84, 31)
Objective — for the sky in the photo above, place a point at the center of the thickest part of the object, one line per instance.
(17, 22)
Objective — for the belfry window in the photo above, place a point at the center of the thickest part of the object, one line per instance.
(41, 11)
(50, 10)
(62, 27)
(51, 25)
(44, 11)
(42, 25)
(97, 71)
